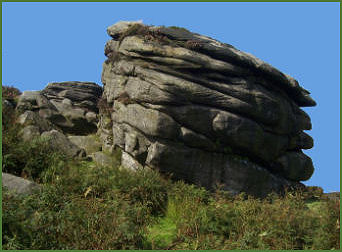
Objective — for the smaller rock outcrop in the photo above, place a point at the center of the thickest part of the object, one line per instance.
(65, 114)
(70, 106)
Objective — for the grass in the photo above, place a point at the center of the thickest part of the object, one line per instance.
(162, 233)
(227, 222)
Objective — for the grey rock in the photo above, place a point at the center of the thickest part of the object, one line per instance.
(32, 118)
(54, 117)
(91, 117)
(75, 106)
(30, 132)
(103, 159)
(225, 53)
(61, 143)
(300, 141)
(73, 90)
(150, 122)
(248, 136)
(118, 136)
(28, 101)
(69, 106)
(120, 27)
(228, 53)
(135, 143)
(294, 165)
(212, 169)
(249, 98)
(196, 140)
(18, 185)
(135, 46)
(105, 132)
(128, 162)
(89, 143)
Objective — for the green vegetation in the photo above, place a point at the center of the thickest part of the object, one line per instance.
(85, 206)
(10, 92)
(27, 159)
(179, 28)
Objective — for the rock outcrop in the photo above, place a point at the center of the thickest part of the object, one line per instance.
(65, 114)
(69, 106)
(184, 104)
(202, 110)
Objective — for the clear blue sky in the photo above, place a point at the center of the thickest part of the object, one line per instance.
(46, 42)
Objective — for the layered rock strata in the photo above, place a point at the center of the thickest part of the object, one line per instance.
(70, 106)
(202, 110)
(60, 110)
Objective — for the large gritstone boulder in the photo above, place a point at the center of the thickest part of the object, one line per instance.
(202, 110)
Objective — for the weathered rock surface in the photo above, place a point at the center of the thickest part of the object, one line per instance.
(30, 132)
(30, 118)
(202, 110)
(69, 106)
(60, 142)
(62, 109)
(18, 185)
(104, 159)
(89, 143)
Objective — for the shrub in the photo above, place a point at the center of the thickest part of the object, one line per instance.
(223, 221)
(88, 207)
(327, 234)
(312, 192)
(83, 206)
(144, 187)
(273, 223)
(10, 92)
(179, 28)
(27, 159)
(56, 220)
(14, 233)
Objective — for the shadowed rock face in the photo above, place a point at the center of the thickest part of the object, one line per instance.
(202, 110)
